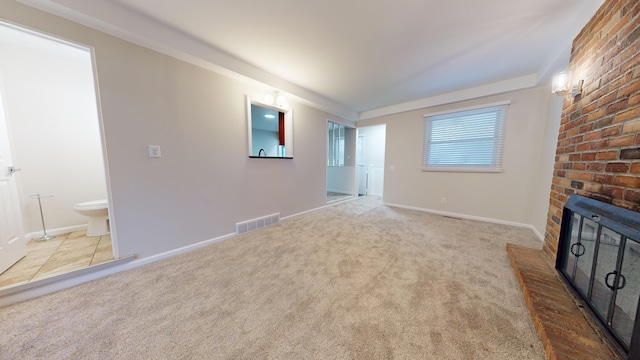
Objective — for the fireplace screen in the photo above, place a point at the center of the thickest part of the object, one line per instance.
(599, 256)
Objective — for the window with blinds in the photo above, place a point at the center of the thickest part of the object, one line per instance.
(467, 140)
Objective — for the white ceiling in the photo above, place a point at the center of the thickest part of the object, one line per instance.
(355, 58)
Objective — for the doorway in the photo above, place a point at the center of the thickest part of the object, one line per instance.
(53, 127)
(370, 159)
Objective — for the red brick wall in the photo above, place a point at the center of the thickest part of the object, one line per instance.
(598, 153)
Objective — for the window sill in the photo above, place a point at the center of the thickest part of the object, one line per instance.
(270, 157)
(458, 169)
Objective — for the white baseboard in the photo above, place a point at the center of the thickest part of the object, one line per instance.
(58, 231)
(471, 217)
(535, 231)
(333, 203)
(182, 250)
(20, 292)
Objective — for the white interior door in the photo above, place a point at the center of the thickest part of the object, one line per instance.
(13, 246)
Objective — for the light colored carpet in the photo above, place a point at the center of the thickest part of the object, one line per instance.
(358, 280)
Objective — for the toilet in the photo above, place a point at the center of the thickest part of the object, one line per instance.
(98, 213)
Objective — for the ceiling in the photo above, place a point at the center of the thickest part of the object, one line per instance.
(357, 58)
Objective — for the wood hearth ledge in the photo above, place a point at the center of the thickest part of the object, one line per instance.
(563, 326)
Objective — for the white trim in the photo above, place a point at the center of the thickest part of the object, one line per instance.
(259, 218)
(460, 168)
(538, 234)
(36, 285)
(318, 208)
(469, 217)
(250, 126)
(500, 87)
(182, 250)
(58, 231)
(334, 202)
(136, 28)
(21, 292)
(342, 122)
(499, 103)
(115, 247)
(44, 35)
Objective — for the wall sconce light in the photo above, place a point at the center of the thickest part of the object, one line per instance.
(561, 84)
(279, 100)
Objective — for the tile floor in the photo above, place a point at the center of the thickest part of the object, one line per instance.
(64, 253)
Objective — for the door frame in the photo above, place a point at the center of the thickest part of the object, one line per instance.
(101, 128)
(366, 154)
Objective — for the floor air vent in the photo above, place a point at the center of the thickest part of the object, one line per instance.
(250, 225)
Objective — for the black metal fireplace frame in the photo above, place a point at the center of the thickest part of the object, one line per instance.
(622, 221)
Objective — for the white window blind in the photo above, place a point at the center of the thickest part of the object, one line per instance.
(468, 140)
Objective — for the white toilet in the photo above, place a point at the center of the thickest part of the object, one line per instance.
(98, 213)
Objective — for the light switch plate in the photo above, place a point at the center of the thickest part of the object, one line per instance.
(154, 151)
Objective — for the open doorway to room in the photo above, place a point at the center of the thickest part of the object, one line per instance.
(50, 118)
(341, 161)
(370, 150)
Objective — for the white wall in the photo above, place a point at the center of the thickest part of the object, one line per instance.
(205, 182)
(51, 109)
(505, 196)
(374, 144)
(373, 158)
(541, 183)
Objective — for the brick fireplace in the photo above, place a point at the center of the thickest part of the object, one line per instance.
(598, 150)
(598, 157)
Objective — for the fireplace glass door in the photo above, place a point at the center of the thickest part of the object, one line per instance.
(600, 259)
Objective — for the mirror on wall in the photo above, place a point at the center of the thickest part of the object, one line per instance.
(270, 131)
